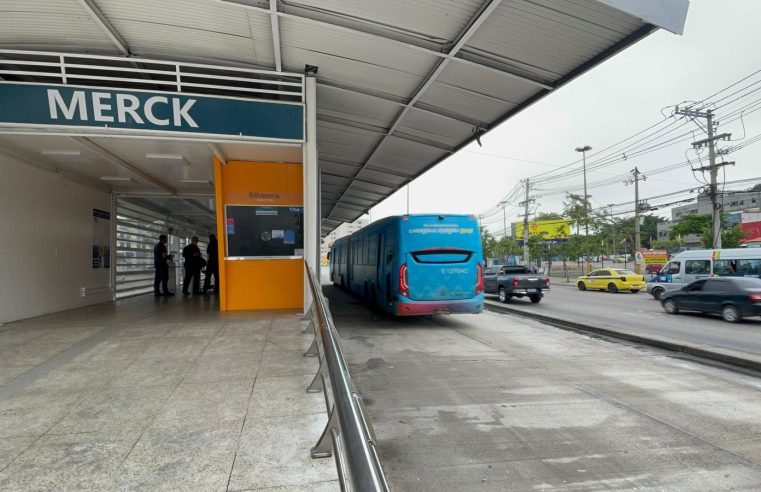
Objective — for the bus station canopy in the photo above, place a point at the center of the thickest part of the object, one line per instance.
(400, 85)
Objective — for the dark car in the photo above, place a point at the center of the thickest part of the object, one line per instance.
(733, 297)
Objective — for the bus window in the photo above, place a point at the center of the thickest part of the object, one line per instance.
(724, 267)
(389, 249)
(697, 267)
(373, 250)
(749, 268)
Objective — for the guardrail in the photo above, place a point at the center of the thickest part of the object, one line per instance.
(149, 74)
(348, 436)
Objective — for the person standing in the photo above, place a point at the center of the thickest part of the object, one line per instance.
(192, 255)
(160, 257)
(212, 265)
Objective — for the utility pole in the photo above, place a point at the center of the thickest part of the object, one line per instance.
(715, 210)
(612, 229)
(637, 177)
(408, 198)
(583, 151)
(637, 244)
(713, 167)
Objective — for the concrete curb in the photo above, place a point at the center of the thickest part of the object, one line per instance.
(713, 354)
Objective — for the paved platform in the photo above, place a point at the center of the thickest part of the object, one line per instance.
(159, 394)
(493, 402)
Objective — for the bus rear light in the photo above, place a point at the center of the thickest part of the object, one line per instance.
(404, 288)
(755, 298)
(480, 279)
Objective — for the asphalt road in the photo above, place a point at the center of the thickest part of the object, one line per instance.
(642, 315)
(499, 403)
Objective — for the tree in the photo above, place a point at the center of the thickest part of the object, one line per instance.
(577, 210)
(732, 237)
(489, 243)
(494, 247)
(691, 224)
(549, 216)
(667, 244)
(701, 225)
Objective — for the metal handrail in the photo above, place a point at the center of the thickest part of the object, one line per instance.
(163, 75)
(348, 432)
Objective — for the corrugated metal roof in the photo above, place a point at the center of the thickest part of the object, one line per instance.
(400, 84)
(51, 24)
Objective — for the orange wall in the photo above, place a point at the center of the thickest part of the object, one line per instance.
(258, 284)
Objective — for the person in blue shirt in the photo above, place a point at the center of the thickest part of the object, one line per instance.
(160, 256)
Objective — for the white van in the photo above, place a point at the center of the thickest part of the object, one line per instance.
(688, 266)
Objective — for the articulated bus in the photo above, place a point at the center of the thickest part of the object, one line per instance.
(414, 264)
(688, 266)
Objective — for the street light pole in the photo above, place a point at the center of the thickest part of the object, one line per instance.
(583, 151)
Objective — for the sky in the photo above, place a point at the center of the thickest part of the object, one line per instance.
(626, 94)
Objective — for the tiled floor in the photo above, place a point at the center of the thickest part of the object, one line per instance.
(164, 394)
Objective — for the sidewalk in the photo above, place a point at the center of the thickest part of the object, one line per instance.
(159, 395)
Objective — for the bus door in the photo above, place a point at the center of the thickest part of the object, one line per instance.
(385, 267)
(380, 282)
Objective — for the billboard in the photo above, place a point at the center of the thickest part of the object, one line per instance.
(654, 259)
(549, 228)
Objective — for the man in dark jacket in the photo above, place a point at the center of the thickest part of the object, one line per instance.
(192, 255)
(212, 265)
(160, 256)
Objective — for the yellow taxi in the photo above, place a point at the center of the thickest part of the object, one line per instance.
(612, 280)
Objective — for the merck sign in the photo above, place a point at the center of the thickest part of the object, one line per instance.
(112, 111)
(108, 107)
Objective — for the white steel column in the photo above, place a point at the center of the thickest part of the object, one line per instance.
(311, 186)
(112, 253)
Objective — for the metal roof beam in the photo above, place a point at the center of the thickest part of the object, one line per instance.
(400, 101)
(94, 12)
(275, 23)
(200, 208)
(433, 48)
(335, 160)
(39, 162)
(469, 30)
(119, 162)
(365, 181)
(384, 132)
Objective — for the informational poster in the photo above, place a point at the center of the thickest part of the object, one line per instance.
(101, 238)
(264, 231)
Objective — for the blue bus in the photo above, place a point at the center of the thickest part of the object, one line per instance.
(414, 264)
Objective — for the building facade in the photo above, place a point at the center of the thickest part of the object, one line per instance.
(345, 229)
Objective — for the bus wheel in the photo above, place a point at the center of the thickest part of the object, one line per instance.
(657, 293)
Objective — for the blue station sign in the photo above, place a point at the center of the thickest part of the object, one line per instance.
(103, 109)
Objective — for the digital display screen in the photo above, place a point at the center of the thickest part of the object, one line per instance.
(256, 230)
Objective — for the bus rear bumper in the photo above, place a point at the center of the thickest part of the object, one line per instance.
(420, 308)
